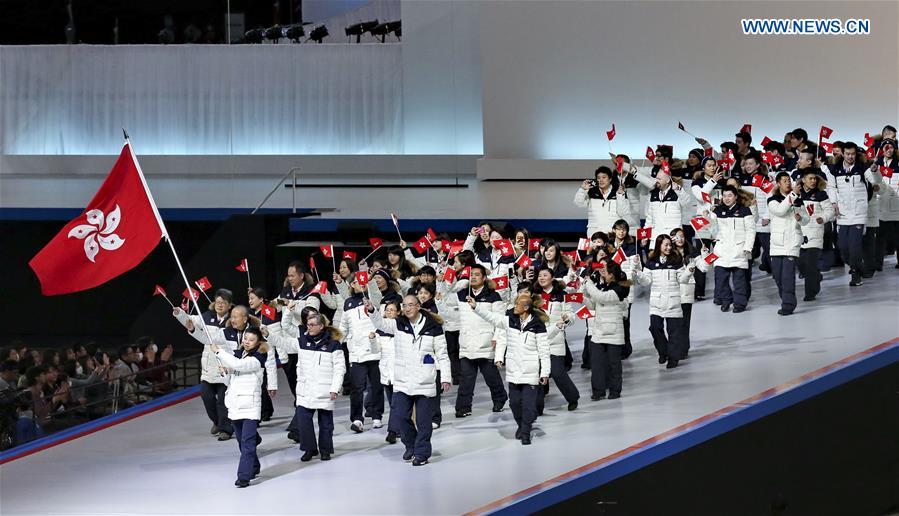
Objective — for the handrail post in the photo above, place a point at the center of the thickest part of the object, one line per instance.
(294, 189)
(292, 172)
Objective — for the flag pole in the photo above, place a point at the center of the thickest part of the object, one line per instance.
(165, 235)
(204, 292)
(249, 283)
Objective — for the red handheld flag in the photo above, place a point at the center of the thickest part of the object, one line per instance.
(349, 255)
(706, 198)
(422, 244)
(869, 140)
(203, 284)
(757, 180)
(665, 168)
(583, 244)
(766, 157)
(546, 298)
(502, 282)
(534, 244)
(681, 126)
(376, 243)
(584, 313)
(810, 208)
(731, 159)
(619, 163)
(455, 248)
(320, 288)
(269, 312)
(327, 251)
(611, 134)
(709, 152)
(191, 293)
(828, 147)
(597, 265)
(747, 128)
(362, 278)
(159, 291)
(619, 256)
(311, 264)
(871, 153)
(449, 275)
(524, 260)
(577, 297)
(765, 141)
(650, 154)
(244, 265)
(644, 233)
(886, 171)
(431, 235)
(446, 245)
(767, 186)
(572, 256)
(117, 230)
(699, 222)
(465, 273)
(710, 258)
(504, 246)
(825, 132)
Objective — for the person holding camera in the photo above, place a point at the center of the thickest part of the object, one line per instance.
(605, 199)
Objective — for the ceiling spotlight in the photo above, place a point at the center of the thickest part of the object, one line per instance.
(295, 32)
(253, 36)
(359, 29)
(274, 34)
(386, 28)
(318, 34)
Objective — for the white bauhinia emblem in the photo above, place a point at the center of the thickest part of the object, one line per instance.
(96, 235)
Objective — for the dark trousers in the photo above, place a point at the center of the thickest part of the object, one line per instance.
(736, 295)
(761, 249)
(523, 402)
(470, 367)
(437, 413)
(245, 429)
(869, 251)
(784, 270)
(366, 373)
(268, 409)
(307, 429)
(393, 421)
(670, 345)
(808, 265)
(213, 396)
(585, 353)
(558, 373)
(748, 272)
(628, 348)
(698, 275)
(687, 308)
(606, 369)
(415, 436)
(828, 253)
(849, 239)
(452, 349)
(888, 241)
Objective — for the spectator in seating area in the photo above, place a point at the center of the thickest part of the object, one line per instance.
(9, 375)
(160, 378)
(124, 369)
(28, 427)
(10, 353)
(35, 382)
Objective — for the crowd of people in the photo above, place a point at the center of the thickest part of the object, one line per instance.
(402, 326)
(42, 391)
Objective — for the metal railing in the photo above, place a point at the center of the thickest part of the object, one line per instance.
(291, 172)
(103, 397)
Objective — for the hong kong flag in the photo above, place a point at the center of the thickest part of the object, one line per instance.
(465, 273)
(706, 198)
(886, 171)
(350, 255)
(327, 251)
(534, 244)
(504, 246)
(376, 243)
(825, 132)
(119, 227)
(502, 282)
(362, 278)
(421, 246)
(619, 256)
(828, 147)
(747, 128)
(449, 275)
(269, 312)
(710, 258)
(644, 233)
(203, 284)
(320, 288)
(577, 297)
(191, 293)
(244, 266)
(699, 222)
(757, 180)
(650, 155)
(765, 141)
(611, 134)
(766, 186)
(584, 313)
(524, 260)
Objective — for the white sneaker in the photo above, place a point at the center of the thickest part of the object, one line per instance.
(356, 427)
(434, 426)
(376, 423)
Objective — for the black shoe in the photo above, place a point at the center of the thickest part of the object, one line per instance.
(308, 455)
(614, 395)
(597, 397)
(572, 406)
(293, 436)
(419, 462)
(896, 266)
(498, 407)
(662, 359)
(585, 366)
(765, 269)
(463, 413)
(391, 437)
(255, 473)
(725, 307)
(856, 280)
(357, 427)
(699, 298)
(266, 418)
(407, 455)
(242, 483)
(215, 431)
(783, 312)
(224, 436)
(717, 301)
(526, 439)
(671, 364)
(518, 434)
(739, 309)
(808, 298)
(258, 439)
(868, 275)
(326, 456)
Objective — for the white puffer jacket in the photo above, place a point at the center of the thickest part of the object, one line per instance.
(851, 193)
(664, 280)
(735, 234)
(335, 301)
(707, 186)
(786, 235)
(525, 348)
(688, 289)
(388, 357)
(476, 336)
(313, 300)
(420, 351)
(357, 327)
(447, 305)
(557, 310)
(819, 203)
(244, 395)
(320, 367)
(609, 303)
(665, 209)
(889, 194)
(627, 266)
(603, 209)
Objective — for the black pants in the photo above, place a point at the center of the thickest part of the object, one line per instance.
(585, 353)
(670, 345)
(213, 396)
(808, 265)
(246, 443)
(783, 269)
(452, 349)
(366, 384)
(437, 416)
(849, 239)
(393, 421)
(687, 308)
(523, 402)
(870, 243)
(415, 436)
(628, 348)
(268, 409)
(470, 367)
(738, 295)
(307, 429)
(698, 275)
(558, 374)
(761, 249)
(606, 370)
(888, 243)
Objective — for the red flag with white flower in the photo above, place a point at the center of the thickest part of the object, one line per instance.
(534, 244)
(611, 134)
(203, 284)
(886, 171)
(269, 312)
(349, 255)
(706, 198)
(376, 243)
(320, 288)
(504, 246)
(710, 258)
(584, 313)
(421, 246)
(502, 282)
(191, 293)
(524, 261)
(118, 229)
(828, 147)
(650, 154)
(644, 233)
(449, 275)
(619, 256)
(583, 244)
(244, 266)
(577, 297)
(825, 132)
(327, 251)
(766, 186)
(465, 273)
(699, 222)
(765, 141)
(431, 235)
(362, 278)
